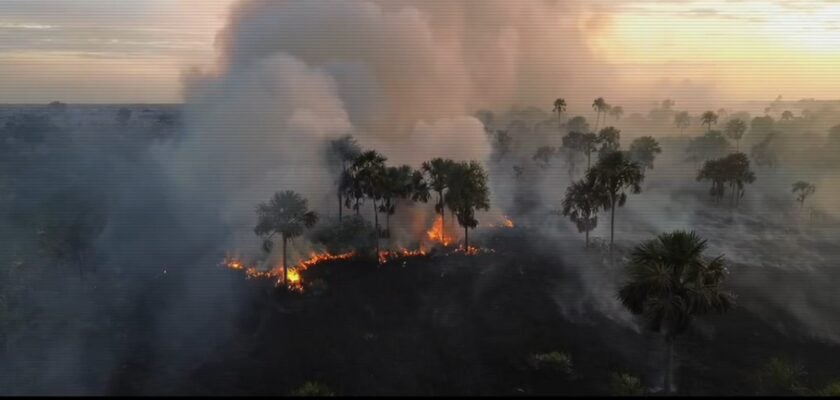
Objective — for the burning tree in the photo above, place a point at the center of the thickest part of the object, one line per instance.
(438, 171)
(581, 204)
(670, 284)
(286, 214)
(467, 193)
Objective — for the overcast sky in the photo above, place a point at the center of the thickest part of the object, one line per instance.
(100, 51)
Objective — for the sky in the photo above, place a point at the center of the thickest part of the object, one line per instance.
(104, 51)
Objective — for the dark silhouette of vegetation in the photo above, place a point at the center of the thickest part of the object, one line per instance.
(643, 150)
(711, 145)
(437, 173)
(559, 108)
(467, 193)
(682, 120)
(617, 112)
(803, 190)
(614, 173)
(610, 140)
(733, 170)
(670, 284)
(577, 143)
(600, 106)
(582, 202)
(343, 151)
(543, 155)
(368, 171)
(286, 214)
(735, 130)
(708, 118)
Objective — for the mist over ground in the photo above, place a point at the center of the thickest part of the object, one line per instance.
(116, 218)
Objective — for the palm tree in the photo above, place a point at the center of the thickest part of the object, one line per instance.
(708, 118)
(342, 151)
(735, 129)
(559, 108)
(576, 142)
(599, 105)
(286, 214)
(682, 120)
(617, 112)
(670, 283)
(582, 202)
(803, 190)
(467, 193)
(643, 151)
(437, 171)
(614, 173)
(397, 183)
(610, 139)
(369, 171)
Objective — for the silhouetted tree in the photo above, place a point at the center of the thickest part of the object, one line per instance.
(610, 140)
(643, 151)
(467, 193)
(708, 118)
(803, 190)
(559, 108)
(735, 130)
(670, 284)
(787, 115)
(616, 112)
(368, 170)
(579, 143)
(578, 124)
(286, 214)
(543, 155)
(437, 171)
(397, 183)
(682, 120)
(711, 145)
(582, 202)
(343, 151)
(614, 173)
(733, 170)
(600, 106)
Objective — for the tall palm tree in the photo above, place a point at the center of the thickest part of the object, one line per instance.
(467, 193)
(437, 171)
(286, 214)
(369, 170)
(708, 118)
(682, 120)
(610, 139)
(343, 151)
(614, 173)
(735, 129)
(643, 151)
(670, 283)
(582, 202)
(559, 108)
(599, 105)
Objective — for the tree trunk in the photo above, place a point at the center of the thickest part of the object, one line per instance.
(285, 268)
(388, 223)
(376, 226)
(466, 238)
(612, 224)
(669, 352)
(340, 206)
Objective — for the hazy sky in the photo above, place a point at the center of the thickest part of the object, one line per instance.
(136, 51)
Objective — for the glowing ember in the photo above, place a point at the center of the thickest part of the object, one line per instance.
(438, 233)
(386, 255)
(508, 223)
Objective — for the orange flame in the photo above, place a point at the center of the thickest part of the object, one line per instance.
(295, 281)
(508, 223)
(438, 233)
(386, 255)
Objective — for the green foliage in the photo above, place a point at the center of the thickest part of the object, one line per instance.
(623, 384)
(313, 389)
(733, 170)
(468, 192)
(781, 377)
(287, 214)
(555, 361)
(614, 174)
(670, 283)
(582, 202)
(831, 389)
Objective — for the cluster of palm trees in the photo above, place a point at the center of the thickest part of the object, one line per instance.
(364, 176)
(732, 171)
